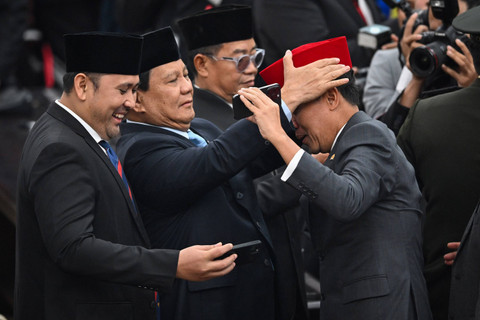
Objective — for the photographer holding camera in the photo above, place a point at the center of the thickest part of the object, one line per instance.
(385, 69)
(435, 62)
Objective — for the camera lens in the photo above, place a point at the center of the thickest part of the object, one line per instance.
(423, 61)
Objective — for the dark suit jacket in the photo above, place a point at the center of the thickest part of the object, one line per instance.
(464, 291)
(80, 245)
(209, 106)
(285, 24)
(366, 224)
(189, 195)
(440, 139)
(286, 226)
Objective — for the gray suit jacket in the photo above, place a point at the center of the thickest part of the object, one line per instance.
(366, 224)
(382, 78)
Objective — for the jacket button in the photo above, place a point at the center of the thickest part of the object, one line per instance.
(259, 225)
(153, 305)
(267, 262)
(239, 195)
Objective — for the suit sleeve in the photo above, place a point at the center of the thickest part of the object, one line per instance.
(275, 196)
(172, 174)
(367, 171)
(65, 200)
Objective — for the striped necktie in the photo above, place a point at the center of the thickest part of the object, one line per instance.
(116, 163)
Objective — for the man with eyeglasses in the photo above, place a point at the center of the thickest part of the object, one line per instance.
(221, 62)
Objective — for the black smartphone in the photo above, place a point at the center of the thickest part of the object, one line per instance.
(240, 111)
(247, 252)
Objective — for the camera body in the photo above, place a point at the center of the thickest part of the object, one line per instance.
(422, 19)
(427, 59)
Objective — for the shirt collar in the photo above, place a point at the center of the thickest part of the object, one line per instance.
(338, 134)
(87, 127)
(179, 132)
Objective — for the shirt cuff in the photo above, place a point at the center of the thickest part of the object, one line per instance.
(292, 165)
(286, 111)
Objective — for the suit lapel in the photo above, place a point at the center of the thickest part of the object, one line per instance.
(348, 6)
(77, 127)
(355, 119)
(469, 228)
(376, 14)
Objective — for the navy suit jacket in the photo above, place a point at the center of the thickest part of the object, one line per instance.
(189, 195)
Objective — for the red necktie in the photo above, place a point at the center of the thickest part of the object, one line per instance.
(355, 3)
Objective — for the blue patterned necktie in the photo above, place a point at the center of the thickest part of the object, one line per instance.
(196, 139)
(116, 163)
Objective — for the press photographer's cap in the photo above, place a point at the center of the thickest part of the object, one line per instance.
(307, 53)
(159, 47)
(103, 52)
(469, 22)
(216, 26)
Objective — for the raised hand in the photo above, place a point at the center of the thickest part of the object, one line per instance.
(465, 73)
(309, 82)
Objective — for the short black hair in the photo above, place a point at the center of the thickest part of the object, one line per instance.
(69, 77)
(208, 50)
(144, 84)
(350, 90)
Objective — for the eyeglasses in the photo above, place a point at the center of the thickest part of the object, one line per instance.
(243, 61)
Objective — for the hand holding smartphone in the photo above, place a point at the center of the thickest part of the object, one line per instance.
(240, 111)
(247, 252)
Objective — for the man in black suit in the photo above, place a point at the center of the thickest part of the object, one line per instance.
(81, 245)
(195, 184)
(223, 58)
(285, 24)
(440, 138)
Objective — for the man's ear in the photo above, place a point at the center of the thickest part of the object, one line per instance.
(201, 61)
(139, 106)
(332, 98)
(80, 86)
